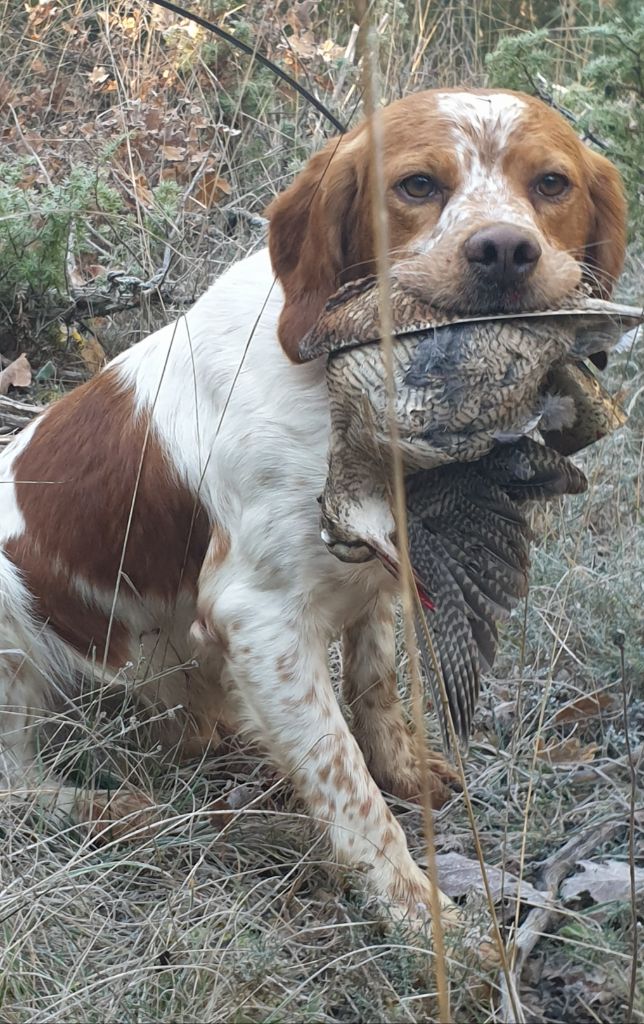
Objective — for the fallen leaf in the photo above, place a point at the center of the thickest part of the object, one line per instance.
(588, 706)
(98, 76)
(92, 353)
(330, 51)
(173, 152)
(303, 45)
(604, 882)
(210, 189)
(142, 191)
(16, 375)
(567, 751)
(459, 875)
(220, 812)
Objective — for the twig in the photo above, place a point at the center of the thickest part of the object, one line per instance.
(408, 589)
(540, 918)
(619, 640)
(348, 58)
(254, 53)
(15, 415)
(541, 89)
(15, 406)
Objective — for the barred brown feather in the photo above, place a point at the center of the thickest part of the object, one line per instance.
(469, 544)
(467, 391)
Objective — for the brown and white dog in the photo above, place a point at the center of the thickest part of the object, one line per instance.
(172, 499)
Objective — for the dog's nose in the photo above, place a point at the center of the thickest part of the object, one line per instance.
(503, 253)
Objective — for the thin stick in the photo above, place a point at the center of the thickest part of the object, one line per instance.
(619, 640)
(408, 590)
(518, 1015)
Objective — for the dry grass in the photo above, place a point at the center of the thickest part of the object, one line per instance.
(244, 918)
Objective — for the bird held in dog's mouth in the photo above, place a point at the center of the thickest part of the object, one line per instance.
(469, 394)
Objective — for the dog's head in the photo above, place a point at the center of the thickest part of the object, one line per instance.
(493, 204)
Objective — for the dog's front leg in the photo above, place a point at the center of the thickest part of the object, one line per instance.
(378, 718)
(277, 666)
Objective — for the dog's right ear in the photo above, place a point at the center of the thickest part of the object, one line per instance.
(317, 236)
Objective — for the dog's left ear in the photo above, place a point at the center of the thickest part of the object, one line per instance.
(606, 245)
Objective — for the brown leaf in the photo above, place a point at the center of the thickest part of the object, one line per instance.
(220, 812)
(210, 189)
(98, 76)
(330, 51)
(92, 353)
(142, 191)
(588, 706)
(567, 751)
(16, 375)
(605, 882)
(173, 153)
(303, 45)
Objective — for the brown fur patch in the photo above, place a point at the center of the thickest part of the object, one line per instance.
(218, 549)
(87, 452)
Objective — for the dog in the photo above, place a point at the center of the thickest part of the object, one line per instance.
(169, 506)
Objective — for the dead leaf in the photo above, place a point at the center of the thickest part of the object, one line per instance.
(220, 812)
(330, 51)
(173, 153)
(210, 189)
(604, 882)
(92, 353)
(303, 45)
(459, 875)
(98, 76)
(142, 191)
(567, 751)
(588, 706)
(16, 375)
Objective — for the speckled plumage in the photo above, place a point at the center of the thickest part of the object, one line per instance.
(468, 391)
(463, 383)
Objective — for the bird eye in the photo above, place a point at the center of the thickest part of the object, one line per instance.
(419, 186)
(551, 185)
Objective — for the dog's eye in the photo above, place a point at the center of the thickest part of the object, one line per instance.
(551, 185)
(419, 186)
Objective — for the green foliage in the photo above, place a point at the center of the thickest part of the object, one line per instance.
(600, 81)
(167, 201)
(36, 222)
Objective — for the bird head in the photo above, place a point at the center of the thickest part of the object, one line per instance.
(362, 528)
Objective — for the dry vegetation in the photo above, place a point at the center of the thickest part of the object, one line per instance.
(173, 144)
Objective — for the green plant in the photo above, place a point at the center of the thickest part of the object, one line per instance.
(37, 222)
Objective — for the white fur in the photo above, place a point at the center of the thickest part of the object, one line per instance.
(247, 431)
(498, 114)
(484, 194)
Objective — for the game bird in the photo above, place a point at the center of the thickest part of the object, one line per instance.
(468, 396)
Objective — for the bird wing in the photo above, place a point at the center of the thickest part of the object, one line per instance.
(469, 546)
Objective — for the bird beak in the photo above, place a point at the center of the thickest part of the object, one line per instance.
(390, 559)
